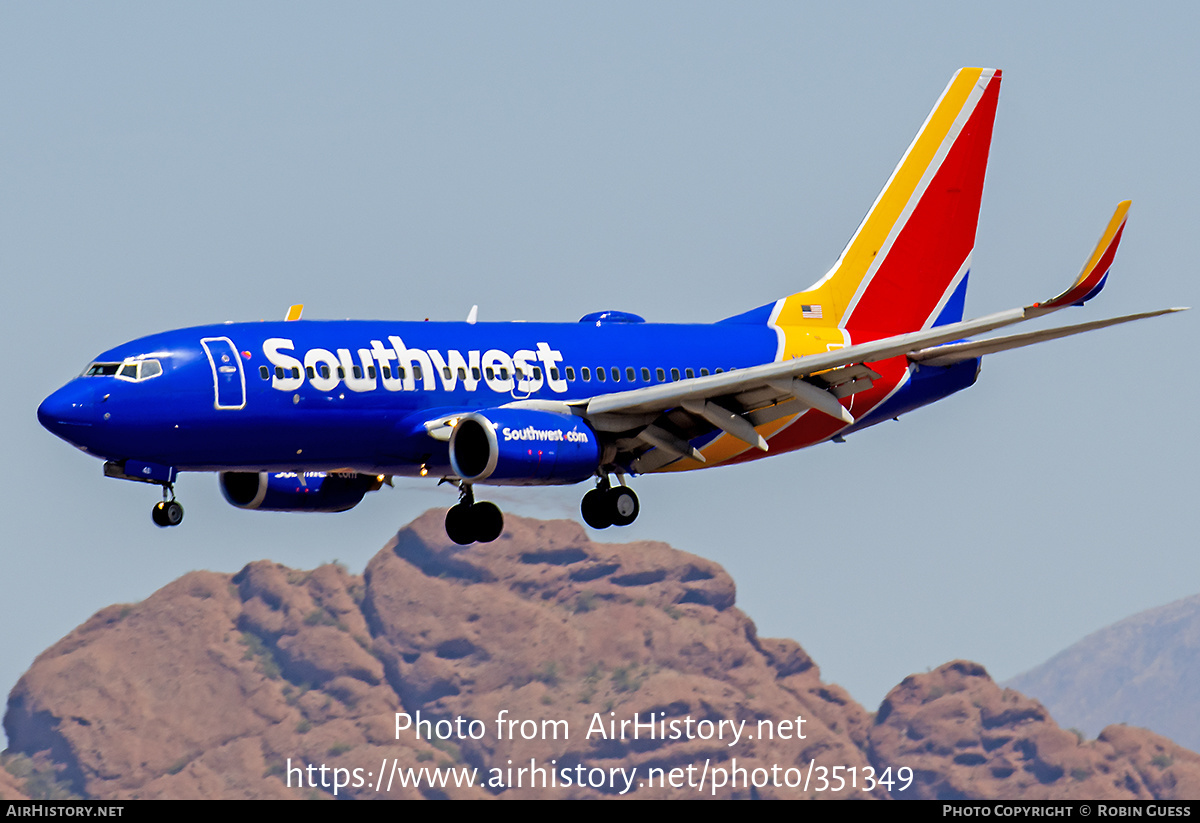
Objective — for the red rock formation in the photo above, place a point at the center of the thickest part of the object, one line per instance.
(967, 738)
(231, 685)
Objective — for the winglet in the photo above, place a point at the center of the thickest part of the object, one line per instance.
(294, 312)
(1091, 280)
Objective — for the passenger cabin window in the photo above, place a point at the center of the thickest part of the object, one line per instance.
(661, 375)
(587, 374)
(645, 375)
(601, 375)
(264, 372)
(690, 374)
(571, 373)
(675, 374)
(616, 374)
(630, 375)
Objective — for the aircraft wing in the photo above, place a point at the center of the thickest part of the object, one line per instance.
(655, 424)
(737, 401)
(664, 417)
(739, 381)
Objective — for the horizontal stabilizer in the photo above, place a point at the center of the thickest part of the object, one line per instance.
(953, 353)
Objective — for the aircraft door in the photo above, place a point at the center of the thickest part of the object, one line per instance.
(229, 381)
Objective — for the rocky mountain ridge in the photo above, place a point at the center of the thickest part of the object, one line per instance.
(1143, 670)
(524, 654)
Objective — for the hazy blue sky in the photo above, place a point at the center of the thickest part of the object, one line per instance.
(166, 165)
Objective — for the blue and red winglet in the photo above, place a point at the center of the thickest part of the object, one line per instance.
(1095, 271)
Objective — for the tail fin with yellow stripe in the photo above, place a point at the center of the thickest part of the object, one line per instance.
(906, 266)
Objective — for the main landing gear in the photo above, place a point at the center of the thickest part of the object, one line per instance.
(168, 512)
(608, 505)
(471, 522)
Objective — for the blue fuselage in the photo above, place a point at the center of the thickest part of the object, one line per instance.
(356, 394)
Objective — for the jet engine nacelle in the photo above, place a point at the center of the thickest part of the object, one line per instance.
(523, 447)
(297, 491)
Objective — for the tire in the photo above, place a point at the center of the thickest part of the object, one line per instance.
(487, 520)
(159, 516)
(173, 513)
(623, 505)
(459, 525)
(596, 510)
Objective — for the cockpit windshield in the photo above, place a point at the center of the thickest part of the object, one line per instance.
(133, 371)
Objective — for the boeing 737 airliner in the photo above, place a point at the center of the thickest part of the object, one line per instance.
(303, 415)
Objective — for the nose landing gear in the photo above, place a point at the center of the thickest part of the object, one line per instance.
(471, 522)
(168, 512)
(608, 505)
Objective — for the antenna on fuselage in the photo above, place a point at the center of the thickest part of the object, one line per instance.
(294, 312)
(473, 314)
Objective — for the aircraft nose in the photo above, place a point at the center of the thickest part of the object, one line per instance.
(69, 412)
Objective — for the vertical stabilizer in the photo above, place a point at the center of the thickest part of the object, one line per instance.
(906, 266)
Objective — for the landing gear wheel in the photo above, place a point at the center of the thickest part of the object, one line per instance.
(460, 524)
(487, 520)
(468, 523)
(596, 510)
(623, 505)
(167, 513)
